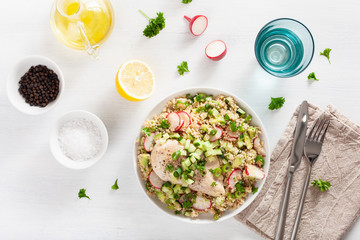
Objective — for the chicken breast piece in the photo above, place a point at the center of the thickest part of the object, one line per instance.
(203, 183)
(161, 156)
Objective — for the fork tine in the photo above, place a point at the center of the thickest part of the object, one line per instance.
(324, 122)
(324, 133)
(318, 130)
(312, 129)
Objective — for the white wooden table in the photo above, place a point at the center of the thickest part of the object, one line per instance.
(38, 197)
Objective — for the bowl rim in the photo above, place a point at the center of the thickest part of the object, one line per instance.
(26, 108)
(62, 158)
(158, 108)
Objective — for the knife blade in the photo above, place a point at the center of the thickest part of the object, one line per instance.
(296, 154)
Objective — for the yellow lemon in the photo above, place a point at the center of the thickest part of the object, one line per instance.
(135, 81)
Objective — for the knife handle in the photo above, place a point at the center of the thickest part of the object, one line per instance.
(284, 206)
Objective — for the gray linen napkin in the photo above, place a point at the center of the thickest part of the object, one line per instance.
(326, 215)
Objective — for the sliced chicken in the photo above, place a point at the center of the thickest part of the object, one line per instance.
(161, 156)
(203, 183)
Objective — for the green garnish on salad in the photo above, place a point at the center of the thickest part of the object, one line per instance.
(312, 76)
(254, 190)
(276, 103)
(213, 184)
(155, 25)
(164, 124)
(326, 53)
(82, 194)
(175, 156)
(182, 68)
(322, 185)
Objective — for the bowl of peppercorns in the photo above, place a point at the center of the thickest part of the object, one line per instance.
(35, 84)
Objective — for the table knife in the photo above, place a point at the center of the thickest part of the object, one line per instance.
(295, 158)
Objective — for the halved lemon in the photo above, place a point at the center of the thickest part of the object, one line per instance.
(135, 81)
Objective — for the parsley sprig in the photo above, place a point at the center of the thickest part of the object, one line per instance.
(115, 186)
(326, 53)
(276, 103)
(182, 68)
(155, 25)
(312, 76)
(82, 194)
(322, 185)
(186, 1)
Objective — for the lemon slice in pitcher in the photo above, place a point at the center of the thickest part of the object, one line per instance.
(135, 81)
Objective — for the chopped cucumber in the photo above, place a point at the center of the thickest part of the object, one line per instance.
(192, 148)
(161, 196)
(252, 132)
(237, 162)
(240, 112)
(204, 128)
(211, 158)
(240, 143)
(187, 144)
(248, 142)
(177, 189)
(182, 141)
(191, 137)
(144, 159)
(213, 152)
(176, 135)
(189, 181)
(158, 136)
(206, 137)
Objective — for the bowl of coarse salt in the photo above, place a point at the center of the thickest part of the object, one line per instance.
(79, 139)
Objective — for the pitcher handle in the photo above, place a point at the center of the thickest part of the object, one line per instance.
(92, 50)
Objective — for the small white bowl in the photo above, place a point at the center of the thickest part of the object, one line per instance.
(13, 84)
(205, 218)
(54, 143)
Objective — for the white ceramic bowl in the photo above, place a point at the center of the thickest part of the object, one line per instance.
(13, 84)
(206, 218)
(54, 143)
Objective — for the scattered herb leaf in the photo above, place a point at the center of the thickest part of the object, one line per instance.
(155, 25)
(322, 185)
(115, 186)
(169, 167)
(164, 124)
(276, 103)
(326, 53)
(226, 117)
(312, 76)
(147, 131)
(186, 1)
(82, 194)
(233, 127)
(213, 184)
(183, 67)
(254, 190)
(177, 212)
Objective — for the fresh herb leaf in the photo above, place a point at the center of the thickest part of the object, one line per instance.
(186, 1)
(82, 194)
(175, 156)
(247, 119)
(183, 67)
(326, 53)
(240, 186)
(233, 127)
(213, 184)
(260, 160)
(226, 117)
(155, 25)
(322, 185)
(276, 103)
(254, 190)
(187, 204)
(169, 167)
(115, 186)
(164, 124)
(177, 212)
(147, 131)
(312, 76)
(213, 132)
(177, 172)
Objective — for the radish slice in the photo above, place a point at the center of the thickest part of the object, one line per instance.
(148, 142)
(174, 120)
(234, 177)
(185, 117)
(258, 146)
(154, 180)
(197, 24)
(232, 134)
(202, 204)
(180, 126)
(255, 172)
(218, 134)
(216, 50)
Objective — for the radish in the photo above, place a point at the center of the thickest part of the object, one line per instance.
(155, 180)
(234, 177)
(180, 125)
(202, 204)
(148, 142)
(218, 134)
(185, 117)
(216, 50)
(197, 24)
(258, 147)
(174, 120)
(255, 172)
(232, 134)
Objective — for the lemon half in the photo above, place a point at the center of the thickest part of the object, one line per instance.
(135, 81)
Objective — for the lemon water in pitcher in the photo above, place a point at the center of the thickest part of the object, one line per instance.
(82, 24)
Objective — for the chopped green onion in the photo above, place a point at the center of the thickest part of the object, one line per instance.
(226, 117)
(169, 167)
(207, 106)
(217, 172)
(166, 184)
(147, 131)
(226, 167)
(175, 156)
(216, 216)
(240, 186)
(238, 194)
(240, 112)
(177, 172)
(177, 212)
(233, 127)
(164, 124)
(260, 159)
(247, 119)
(213, 132)
(254, 190)
(213, 184)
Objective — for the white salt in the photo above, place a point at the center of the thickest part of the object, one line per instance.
(80, 139)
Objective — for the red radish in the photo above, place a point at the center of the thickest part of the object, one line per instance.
(197, 24)
(255, 172)
(182, 198)
(186, 118)
(148, 142)
(202, 204)
(180, 126)
(218, 134)
(154, 180)
(234, 177)
(174, 120)
(232, 134)
(258, 147)
(216, 50)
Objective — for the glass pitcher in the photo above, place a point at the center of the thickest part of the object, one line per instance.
(82, 24)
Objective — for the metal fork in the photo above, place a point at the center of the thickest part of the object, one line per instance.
(312, 150)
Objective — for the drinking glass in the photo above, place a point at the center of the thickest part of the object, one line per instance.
(284, 47)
